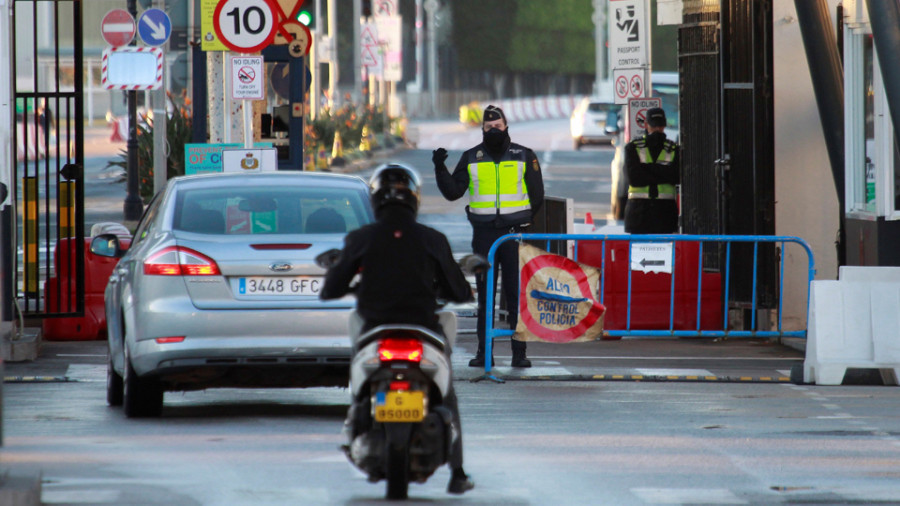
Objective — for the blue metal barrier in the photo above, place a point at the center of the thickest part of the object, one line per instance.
(728, 240)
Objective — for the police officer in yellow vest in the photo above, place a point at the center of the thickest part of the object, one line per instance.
(505, 189)
(652, 165)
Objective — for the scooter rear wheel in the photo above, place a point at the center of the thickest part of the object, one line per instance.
(397, 470)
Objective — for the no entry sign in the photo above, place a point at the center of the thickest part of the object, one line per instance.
(117, 27)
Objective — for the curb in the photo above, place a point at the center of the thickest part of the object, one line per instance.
(38, 379)
(636, 378)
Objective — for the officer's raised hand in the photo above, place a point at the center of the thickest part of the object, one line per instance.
(438, 156)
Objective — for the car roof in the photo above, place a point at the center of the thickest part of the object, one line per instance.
(277, 177)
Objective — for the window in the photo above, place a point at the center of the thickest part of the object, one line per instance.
(872, 161)
(271, 210)
(143, 227)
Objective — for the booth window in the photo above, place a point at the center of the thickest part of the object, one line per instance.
(867, 199)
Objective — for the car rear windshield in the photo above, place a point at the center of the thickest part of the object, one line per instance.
(271, 210)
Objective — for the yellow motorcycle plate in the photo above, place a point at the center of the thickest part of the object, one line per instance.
(399, 406)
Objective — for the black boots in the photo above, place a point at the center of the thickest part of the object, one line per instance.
(519, 360)
(459, 482)
(478, 361)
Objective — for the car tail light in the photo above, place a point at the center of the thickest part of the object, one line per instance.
(169, 339)
(394, 348)
(179, 261)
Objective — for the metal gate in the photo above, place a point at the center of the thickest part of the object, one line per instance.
(48, 175)
(725, 58)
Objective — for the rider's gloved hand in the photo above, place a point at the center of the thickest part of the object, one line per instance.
(438, 156)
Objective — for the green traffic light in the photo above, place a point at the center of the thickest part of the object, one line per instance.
(305, 18)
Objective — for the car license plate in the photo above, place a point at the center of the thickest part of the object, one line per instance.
(279, 285)
(399, 406)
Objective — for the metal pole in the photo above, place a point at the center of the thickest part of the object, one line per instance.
(215, 76)
(8, 156)
(430, 7)
(420, 48)
(333, 62)
(133, 207)
(315, 89)
(600, 50)
(160, 126)
(357, 56)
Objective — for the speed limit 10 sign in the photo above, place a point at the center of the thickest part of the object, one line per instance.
(246, 26)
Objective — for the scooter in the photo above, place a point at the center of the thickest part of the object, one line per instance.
(397, 427)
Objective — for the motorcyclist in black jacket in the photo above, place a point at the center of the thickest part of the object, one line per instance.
(404, 268)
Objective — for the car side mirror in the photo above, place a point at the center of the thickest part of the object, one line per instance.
(107, 245)
(327, 259)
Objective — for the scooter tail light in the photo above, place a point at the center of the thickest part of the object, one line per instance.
(400, 385)
(394, 348)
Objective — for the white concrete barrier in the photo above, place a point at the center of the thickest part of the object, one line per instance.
(854, 322)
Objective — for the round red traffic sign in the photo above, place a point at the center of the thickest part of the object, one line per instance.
(641, 118)
(117, 27)
(622, 87)
(246, 26)
(576, 324)
(637, 86)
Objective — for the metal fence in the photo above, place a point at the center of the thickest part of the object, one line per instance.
(690, 249)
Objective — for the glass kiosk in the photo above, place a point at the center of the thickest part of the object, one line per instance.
(872, 160)
(287, 80)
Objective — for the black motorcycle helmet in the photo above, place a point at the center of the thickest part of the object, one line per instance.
(394, 184)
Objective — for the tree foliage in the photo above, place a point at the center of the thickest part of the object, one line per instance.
(554, 37)
(524, 35)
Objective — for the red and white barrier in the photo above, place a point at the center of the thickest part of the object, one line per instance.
(536, 108)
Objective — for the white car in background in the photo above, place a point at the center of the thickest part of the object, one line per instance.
(595, 121)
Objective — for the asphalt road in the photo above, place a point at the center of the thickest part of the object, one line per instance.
(632, 421)
(530, 440)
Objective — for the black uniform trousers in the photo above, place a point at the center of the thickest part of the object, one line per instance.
(651, 216)
(507, 260)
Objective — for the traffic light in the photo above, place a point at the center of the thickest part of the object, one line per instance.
(366, 8)
(307, 17)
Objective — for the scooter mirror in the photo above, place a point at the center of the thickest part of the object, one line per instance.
(474, 264)
(328, 258)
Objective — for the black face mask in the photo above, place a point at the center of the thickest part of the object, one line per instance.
(495, 138)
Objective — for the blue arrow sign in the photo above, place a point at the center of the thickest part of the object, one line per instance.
(154, 27)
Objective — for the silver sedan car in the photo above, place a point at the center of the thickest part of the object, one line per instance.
(219, 287)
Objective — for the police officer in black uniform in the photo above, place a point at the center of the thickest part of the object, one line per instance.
(405, 266)
(652, 164)
(505, 189)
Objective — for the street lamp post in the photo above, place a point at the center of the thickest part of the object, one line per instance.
(133, 207)
(431, 6)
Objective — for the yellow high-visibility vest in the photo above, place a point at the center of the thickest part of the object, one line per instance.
(497, 186)
(666, 157)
